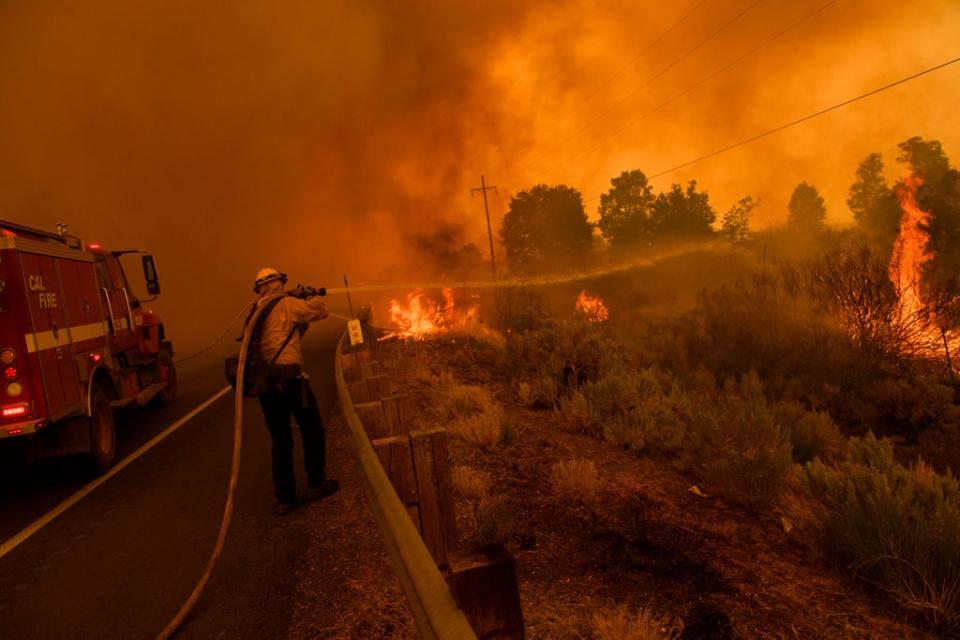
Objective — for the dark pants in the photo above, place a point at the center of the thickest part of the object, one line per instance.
(289, 395)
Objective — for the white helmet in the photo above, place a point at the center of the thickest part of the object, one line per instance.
(265, 275)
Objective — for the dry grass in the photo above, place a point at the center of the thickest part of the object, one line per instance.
(622, 624)
(575, 480)
(470, 483)
(484, 430)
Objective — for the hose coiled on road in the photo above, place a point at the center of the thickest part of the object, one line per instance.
(191, 601)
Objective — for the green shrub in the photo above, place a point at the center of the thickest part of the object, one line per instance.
(813, 434)
(898, 527)
(557, 357)
(736, 445)
(518, 309)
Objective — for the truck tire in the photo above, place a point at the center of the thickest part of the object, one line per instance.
(103, 431)
(165, 362)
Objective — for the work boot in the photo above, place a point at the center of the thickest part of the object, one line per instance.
(283, 508)
(328, 488)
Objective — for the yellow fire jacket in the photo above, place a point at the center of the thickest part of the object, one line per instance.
(283, 317)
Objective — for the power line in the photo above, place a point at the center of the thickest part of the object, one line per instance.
(634, 121)
(658, 74)
(811, 116)
(650, 46)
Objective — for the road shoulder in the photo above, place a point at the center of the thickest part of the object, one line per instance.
(347, 588)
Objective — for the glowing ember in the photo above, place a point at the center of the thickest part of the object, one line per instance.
(421, 317)
(592, 308)
(918, 321)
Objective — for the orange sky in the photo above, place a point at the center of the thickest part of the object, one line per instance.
(317, 136)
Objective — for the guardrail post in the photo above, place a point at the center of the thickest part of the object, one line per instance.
(370, 389)
(397, 460)
(484, 584)
(431, 467)
(396, 410)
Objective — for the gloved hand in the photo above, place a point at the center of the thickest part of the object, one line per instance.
(308, 292)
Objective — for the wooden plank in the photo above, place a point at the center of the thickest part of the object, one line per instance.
(349, 361)
(379, 387)
(396, 408)
(397, 460)
(435, 491)
(367, 369)
(484, 584)
(363, 353)
(360, 391)
(372, 418)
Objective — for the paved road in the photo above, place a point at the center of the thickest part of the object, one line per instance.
(119, 563)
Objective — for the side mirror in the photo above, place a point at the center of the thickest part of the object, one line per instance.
(150, 275)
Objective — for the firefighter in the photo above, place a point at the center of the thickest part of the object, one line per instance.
(289, 392)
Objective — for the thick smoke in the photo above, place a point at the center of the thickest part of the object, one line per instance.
(328, 137)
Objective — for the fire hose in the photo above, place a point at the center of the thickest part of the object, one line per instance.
(201, 585)
(191, 601)
(197, 592)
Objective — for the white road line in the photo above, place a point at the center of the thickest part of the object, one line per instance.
(44, 520)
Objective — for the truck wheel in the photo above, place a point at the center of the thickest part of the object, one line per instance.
(103, 432)
(165, 361)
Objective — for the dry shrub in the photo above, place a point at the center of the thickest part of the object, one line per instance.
(472, 484)
(455, 400)
(524, 392)
(575, 480)
(472, 411)
(622, 624)
(484, 430)
(897, 527)
(496, 521)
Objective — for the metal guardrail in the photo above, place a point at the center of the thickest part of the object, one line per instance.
(434, 608)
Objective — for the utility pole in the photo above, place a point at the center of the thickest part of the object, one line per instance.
(483, 188)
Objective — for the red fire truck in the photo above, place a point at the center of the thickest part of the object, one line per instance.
(75, 344)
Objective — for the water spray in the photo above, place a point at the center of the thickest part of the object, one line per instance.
(530, 281)
(199, 588)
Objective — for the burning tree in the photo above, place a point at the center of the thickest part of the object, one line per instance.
(889, 308)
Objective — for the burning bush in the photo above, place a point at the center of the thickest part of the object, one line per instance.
(898, 527)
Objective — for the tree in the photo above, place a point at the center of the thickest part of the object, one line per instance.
(736, 222)
(806, 208)
(683, 213)
(625, 210)
(872, 201)
(939, 194)
(546, 228)
(925, 157)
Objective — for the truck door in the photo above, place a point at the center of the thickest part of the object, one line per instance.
(51, 336)
(87, 327)
(116, 303)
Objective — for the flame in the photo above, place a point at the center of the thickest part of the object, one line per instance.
(422, 317)
(924, 335)
(592, 308)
